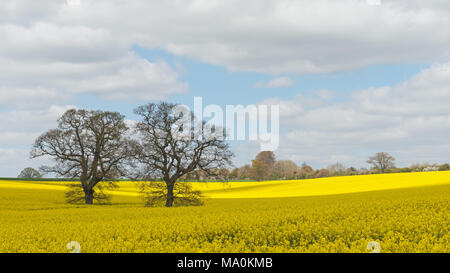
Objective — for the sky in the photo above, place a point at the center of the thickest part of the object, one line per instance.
(351, 77)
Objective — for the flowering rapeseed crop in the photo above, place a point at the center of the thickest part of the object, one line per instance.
(34, 218)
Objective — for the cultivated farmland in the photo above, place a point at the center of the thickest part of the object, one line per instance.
(403, 212)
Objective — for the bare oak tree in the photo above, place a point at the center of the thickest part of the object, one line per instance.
(30, 173)
(88, 145)
(382, 161)
(169, 147)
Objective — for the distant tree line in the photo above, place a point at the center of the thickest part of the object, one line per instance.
(266, 167)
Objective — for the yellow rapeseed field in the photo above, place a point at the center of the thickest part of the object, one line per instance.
(403, 212)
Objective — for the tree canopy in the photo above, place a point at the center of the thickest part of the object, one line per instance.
(172, 143)
(30, 173)
(89, 145)
(381, 161)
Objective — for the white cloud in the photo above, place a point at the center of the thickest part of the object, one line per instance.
(52, 42)
(29, 98)
(325, 94)
(46, 61)
(127, 78)
(295, 36)
(276, 83)
(12, 161)
(273, 36)
(410, 120)
(54, 47)
(47, 55)
(30, 122)
(18, 130)
(131, 78)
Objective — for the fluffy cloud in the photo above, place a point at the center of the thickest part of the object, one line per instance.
(13, 160)
(410, 120)
(46, 61)
(270, 36)
(42, 54)
(51, 42)
(276, 83)
(29, 98)
(84, 48)
(129, 78)
(278, 36)
(18, 130)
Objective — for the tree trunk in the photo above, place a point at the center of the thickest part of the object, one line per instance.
(89, 196)
(169, 201)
